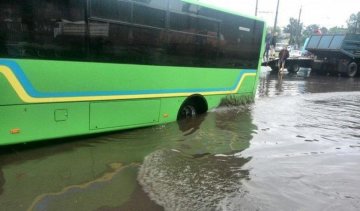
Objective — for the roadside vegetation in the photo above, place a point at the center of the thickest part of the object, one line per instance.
(296, 32)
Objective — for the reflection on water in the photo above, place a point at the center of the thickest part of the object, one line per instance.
(304, 155)
(296, 148)
(2, 181)
(271, 85)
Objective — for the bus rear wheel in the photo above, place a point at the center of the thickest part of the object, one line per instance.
(192, 107)
(187, 111)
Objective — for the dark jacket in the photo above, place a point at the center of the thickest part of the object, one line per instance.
(284, 54)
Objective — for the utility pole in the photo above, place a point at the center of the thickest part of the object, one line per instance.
(256, 7)
(275, 23)
(298, 34)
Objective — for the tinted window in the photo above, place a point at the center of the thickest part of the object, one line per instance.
(108, 42)
(159, 4)
(43, 29)
(149, 16)
(111, 9)
(192, 50)
(147, 46)
(124, 31)
(183, 7)
(126, 44)
(183, 22)
(239, 38)
(141, 40)
(208, 26)
(187, 17)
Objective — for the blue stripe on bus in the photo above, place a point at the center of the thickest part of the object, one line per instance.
(19, 74)
(28, 87)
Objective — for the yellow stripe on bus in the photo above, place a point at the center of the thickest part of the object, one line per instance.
(24, 96)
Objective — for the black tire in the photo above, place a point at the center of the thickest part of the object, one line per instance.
(187, 111)
(294, 68)
(352, 69)
(192, 107)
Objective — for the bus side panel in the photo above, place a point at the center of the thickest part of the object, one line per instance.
(117, 114)
(23, 123)
(247, 85)
(8, 95)
(170, 108)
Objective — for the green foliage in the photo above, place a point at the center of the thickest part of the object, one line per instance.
(309, 30)
(298, 33)
(353, 23)
(294, 28)
(324, 30)
(337, 30)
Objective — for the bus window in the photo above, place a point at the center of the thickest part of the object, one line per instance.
(111, 9)
(186, 49)
(147, 45)
(159, 4)
(183, 7)
(108, 42)
(148, 40)
(44, 29)
(239, 39)
(208, 27)
(149, 16)
(193, 39)
(183, 22)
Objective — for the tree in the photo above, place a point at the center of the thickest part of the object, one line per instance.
(354, 23)
(337, 30)
(294, 29)
(324, 30)
(311, 29)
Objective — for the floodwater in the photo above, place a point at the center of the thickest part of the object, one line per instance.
(296, 148)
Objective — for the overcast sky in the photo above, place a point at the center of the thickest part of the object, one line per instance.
(328, 13)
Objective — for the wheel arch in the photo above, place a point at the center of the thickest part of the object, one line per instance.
(198, 101)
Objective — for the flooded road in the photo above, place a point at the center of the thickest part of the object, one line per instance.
(296, 148)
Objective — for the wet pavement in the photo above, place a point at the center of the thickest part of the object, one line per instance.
(296, 148)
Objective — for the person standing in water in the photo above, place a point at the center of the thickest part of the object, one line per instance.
(283, 56)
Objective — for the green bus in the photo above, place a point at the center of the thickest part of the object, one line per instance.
(79, 67)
